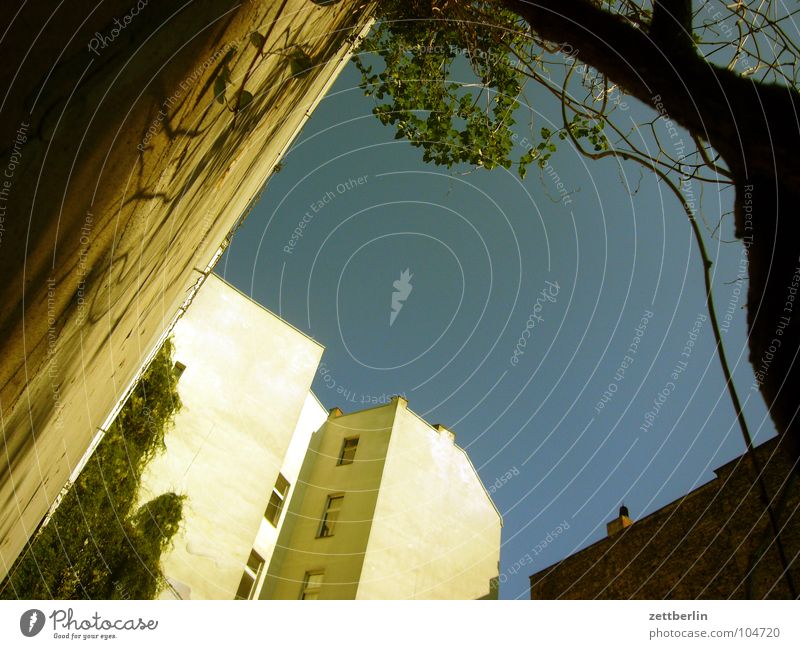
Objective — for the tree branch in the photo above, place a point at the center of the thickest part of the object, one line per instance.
(733, 114)
(672, 23)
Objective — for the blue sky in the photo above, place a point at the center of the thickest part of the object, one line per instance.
(478, 347)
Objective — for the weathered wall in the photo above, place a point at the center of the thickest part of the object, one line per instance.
(341, 556)
(415, 523)
(122, 176)
(435, 532)
(705, 545)
(246, 381)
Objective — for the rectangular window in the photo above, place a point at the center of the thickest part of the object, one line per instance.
(178, 370)
(332, 508)
(348, 451)
(252, 571)
(276, 500)
(312, 584)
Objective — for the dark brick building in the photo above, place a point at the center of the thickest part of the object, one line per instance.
(716, 542)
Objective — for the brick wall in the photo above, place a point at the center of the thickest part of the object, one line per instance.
(715, 542)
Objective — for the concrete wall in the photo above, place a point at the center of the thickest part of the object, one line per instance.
(312, 417)
(416, 522)
(127, 175)
(243, 390)
(341, 555)
(435, 532)
(714, 543)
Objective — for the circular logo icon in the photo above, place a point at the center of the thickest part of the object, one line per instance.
(31, 622)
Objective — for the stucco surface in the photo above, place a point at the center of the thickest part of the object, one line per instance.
(415, 523)
(243, 390)
(129, 178)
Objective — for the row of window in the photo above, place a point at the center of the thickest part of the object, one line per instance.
(312, 582)
(333, 505)
(277, 498)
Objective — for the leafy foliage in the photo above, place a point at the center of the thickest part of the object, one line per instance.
(98, 544)
(454, 122)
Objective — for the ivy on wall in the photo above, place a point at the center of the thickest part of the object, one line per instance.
(98, 544)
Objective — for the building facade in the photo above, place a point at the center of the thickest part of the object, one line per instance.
(716, 542)
(246, 418)
(141, 204)
(288, 501)
(388, 507)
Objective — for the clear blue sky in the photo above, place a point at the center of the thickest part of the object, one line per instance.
(481, 248)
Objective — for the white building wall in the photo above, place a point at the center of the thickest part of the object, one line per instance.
(312, 417)
(341, 555)
(415, 523)
(149, 235)
(435, 531)
(245, 386)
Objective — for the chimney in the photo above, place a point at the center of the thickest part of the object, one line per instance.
(335, 412)
(619, 523)
(442, 429)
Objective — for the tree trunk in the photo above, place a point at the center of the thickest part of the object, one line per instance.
(755, 129)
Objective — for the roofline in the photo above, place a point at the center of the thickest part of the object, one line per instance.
(316, 398)
(472, 466)
(265, 309)
(433, 430)
(775, 441)
(678, 500)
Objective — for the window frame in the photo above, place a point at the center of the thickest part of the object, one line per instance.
(177, 370)
(342, 461)
(281, 501)
(322, 531)
(312, 590)
(252, 574)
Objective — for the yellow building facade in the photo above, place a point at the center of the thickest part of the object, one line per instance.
(388, 507)
(247, 417)
(172, 174)
(288, 501)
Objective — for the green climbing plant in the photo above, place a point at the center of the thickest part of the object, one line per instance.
(99, 544)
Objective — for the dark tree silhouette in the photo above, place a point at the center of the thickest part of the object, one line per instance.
(727, 73)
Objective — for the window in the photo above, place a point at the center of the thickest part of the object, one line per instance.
(331, 515)
(348, 451)
(177, 370)
(312, 584)
(277, 500)
(252, 571)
